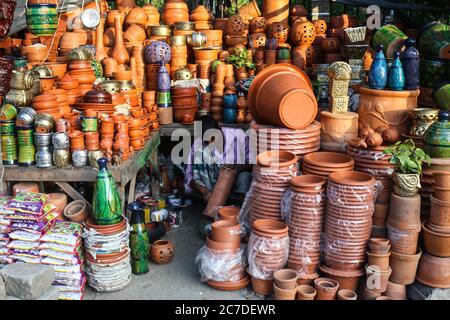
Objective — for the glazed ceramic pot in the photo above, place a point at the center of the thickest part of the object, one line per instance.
(42, 19)
(378, 73)
(433, 71)
(422, 119)
(436, 137)
(434, 39)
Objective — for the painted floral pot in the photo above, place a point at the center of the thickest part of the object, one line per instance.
(42, 19)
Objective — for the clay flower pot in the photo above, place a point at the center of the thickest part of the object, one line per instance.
(396, 291)
(306, 292)
(346, 294)
(437, 244)
(76, 211)
(377, 279)
(308, 184)
(228, 213)
(284, 294)
(76, 139)
(162, 251)
(403, 241)
(379, 260)
(326, 288)
(434, 271)
(404, 267)
(441, 179)
(439, 214)
(369, 294)
(226, 231)
(285, 279)
(405, 212)
(220, 246)
(262, 287)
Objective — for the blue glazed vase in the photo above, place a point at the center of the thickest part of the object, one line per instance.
(396, 77)
(163, 78)
(229, 115)
(411, 65)
(378, 70)
(230, 101)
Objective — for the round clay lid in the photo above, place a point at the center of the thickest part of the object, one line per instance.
(298, 109)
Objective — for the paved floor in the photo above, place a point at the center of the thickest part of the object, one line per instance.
(179, 279)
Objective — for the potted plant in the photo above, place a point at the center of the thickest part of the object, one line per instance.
(242, 60)
(408, 160)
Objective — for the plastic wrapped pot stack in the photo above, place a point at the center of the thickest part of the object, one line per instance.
(222, 260)
(271, 179)
(348, 225)
(303, 211)
(268, 250)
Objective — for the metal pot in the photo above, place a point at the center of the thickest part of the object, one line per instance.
(22, 80)
(42, 139)
(42, 71)
(26, 117)
(43, 157)
(110, 86)
(178, 40)
(80, 158)
(19, 98)
(196, 39)
(44, 122)
(60, 141)
(184, 25)
(126, 85)
(160, 31)
(93, 158)
(61, 158)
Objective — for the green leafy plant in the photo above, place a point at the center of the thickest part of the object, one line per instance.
(407, 157)
(242, 59)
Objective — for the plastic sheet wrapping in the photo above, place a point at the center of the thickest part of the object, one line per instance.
(266, 255)
(304, 214)
(221, 265)
(348, 225)
(263, 200)
(373, 162)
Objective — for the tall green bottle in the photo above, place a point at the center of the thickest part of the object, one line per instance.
(138, 239)
(106, 206)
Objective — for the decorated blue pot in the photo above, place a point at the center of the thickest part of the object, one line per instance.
(378, 70)
(229, 115)
(230, 101)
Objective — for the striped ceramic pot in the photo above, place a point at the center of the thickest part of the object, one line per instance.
(42, 19)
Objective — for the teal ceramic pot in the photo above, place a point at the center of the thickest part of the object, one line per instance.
(442, 96)
(378, 70)
(434, 38)
(437, 137)
(396, 77)
(42, 19)
(433, 71)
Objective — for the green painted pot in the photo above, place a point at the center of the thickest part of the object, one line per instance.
(433, 71)
(42, 19)
(437, 137)
(442, 97)
(9, 149)
(25, 137)
(7, 127)
(26, 155)
(434, 39)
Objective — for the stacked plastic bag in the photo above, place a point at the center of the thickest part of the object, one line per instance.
(4, 230)
(62, 248)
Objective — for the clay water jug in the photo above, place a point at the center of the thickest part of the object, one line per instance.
(100, 51)
(378, 70)
(119, 52)
(410, 62)
(396, 77)
(106, 205)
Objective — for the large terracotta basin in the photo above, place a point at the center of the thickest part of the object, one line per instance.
(282, 95)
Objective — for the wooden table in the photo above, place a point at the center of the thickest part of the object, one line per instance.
(123, 174)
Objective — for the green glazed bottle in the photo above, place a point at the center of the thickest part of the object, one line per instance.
(138, 239)
(106, 206)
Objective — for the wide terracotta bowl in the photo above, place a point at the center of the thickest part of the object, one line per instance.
(352, 178)
(436, 243)
(434, 271)
(220, 246)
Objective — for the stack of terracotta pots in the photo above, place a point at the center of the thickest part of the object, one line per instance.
(71, 85)
(285, 284)
(107, 255)
(184, 104)
(426, 191)
(404, 227)
(435, 263)
(376, 163)
(202, 18)
(377, 268)
(258, 38)
(348, 225)
(326, 288)
(224, 261)
(324, 163)
(306, 202)
(271, 179)
(82, 71)
(228, 213)
(299, 142)
(179, 54)
(268, 250)
(48, 104)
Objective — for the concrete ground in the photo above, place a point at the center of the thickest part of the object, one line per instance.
(180, 279)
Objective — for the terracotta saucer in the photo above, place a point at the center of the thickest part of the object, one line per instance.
(229, 285)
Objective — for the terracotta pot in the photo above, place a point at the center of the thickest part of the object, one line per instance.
(185, 115)
(306, 292)
(369, 294)
(285, 279)
(434, 271)
(228, 213)
(112, 14)
(379, 249)
(346, 294)
(404, 267)
(134, 33)
(284, 294)
(162, 251)
(403, 241)
(214, 245)
(331, 45)
(379, 260)
(441, 179)
(326, 288)
(438, 244)
(396, 291)
(262, 287)
(275, 10)
(175, 11)
(226, 231)
(76, 139)
(76, 211)
(276, 159)
(439, 213)
(377, 279)
(352, 178)
(442, 194)
(25, 187)
(405, 212)
(119, 52)
(106, 229)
